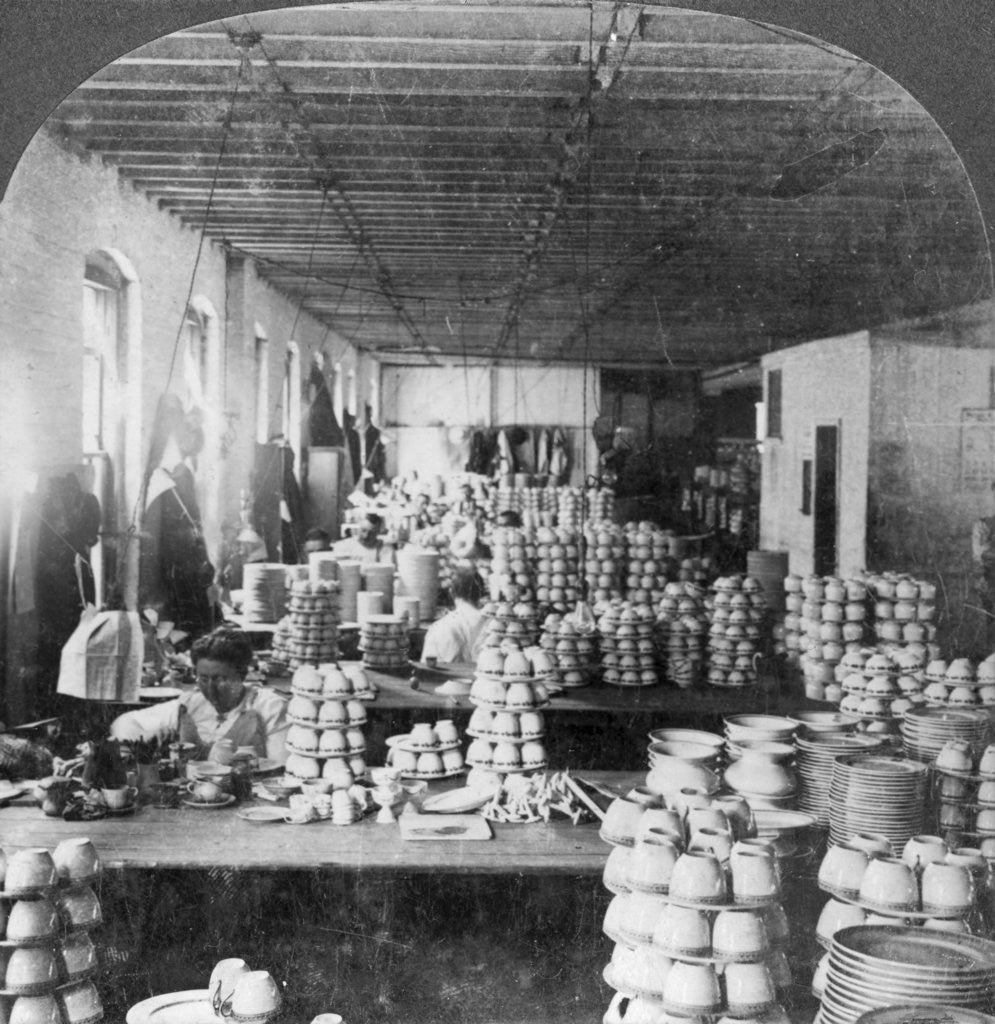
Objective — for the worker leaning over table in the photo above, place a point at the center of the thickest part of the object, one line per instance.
(222, 706)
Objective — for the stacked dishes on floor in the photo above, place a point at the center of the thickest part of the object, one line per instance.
(873, 966)
(877, 793)
(925, 730)
(508, 692)
(50, 959)
(325, 737)
(696, 916)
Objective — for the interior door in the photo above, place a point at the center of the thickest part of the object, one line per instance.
(826, 499)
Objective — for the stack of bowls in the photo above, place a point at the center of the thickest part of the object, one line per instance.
(647, 562)
(512, 564)
(925, 731)
(680, 631)
(384, 641)
(604, 562)
(573, 650)
(628, 653)
(878, 694)
(873, 966)
(510, 684)
(760, 751)
(737, 616)
(312, 619)
(903, 611)
(427, 752)
(877, 793)
(557, 568)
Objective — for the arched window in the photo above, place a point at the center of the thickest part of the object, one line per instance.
(194, 346)
(111, 408)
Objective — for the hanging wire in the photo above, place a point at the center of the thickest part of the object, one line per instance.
(310, 262)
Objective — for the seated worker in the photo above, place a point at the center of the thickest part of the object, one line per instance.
(459, 634)
(316, 539)
(367, 545)
(222, 706)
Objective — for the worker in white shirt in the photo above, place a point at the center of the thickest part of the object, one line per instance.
(368, 544)
(221, 707)
(458, 635)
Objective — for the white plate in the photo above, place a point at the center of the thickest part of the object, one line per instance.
(192, 1007)
(215, 805)
(262, 814)
(456, 801)
(157, 693)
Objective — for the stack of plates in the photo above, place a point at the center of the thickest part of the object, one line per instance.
(349, 586)
(380, 577)
(814, 756)
(872, 966)
(265, 591)
(926, 730)
(322, 565)
(877, 793)
(418, 576)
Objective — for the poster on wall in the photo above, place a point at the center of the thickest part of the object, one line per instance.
(977, 449)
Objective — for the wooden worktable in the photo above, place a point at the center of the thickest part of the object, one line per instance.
(187, 838)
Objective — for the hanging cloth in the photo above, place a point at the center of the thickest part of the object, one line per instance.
(354, 444)
(376, 453)
(543, 451)
(505, 456)
(558, 459)
(323, 430)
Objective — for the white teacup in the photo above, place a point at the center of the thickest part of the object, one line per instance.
(947, 888)
(652, 862)
(873, 844)
(682, 931)
(969, 857)
(81, 1003)
(692, 989)
(836, 915)
(706, 817)
(80, 908)
(35, 1010)
(622, 820)
(31, 970)
(639, 916)
(256, 996)
(423, 734)
(922, 850)
(29, 870)
(737, 812)
(445, 730)
(645, 796)
(222, 982)
(698, 877)
(754, 875)
(749, 988)
(32, 919)
(661, 820)
(954, 755)
(986, 763)
(79, 955)
(739, 934)
(889, 883)
(842, 868)
(616, 872)
(76, 859)
(716, 841)
(986, 791)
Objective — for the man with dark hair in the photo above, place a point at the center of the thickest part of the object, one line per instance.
(509, 517)
(457, 636)
(316, 539)
(367, 545)
(222, 706)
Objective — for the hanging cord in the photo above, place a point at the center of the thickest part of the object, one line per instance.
(310, 261)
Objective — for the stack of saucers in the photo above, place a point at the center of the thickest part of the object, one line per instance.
(350, 583)
(265, 591)
(877, 793)
(926, 730)
(874, 966)
(814, 757)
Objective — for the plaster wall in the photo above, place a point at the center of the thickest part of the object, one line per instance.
(825, 382)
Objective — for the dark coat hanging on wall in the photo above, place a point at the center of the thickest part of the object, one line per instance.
(376, 454)
(323, 430)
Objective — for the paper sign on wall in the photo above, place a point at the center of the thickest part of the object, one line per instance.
(977, 449)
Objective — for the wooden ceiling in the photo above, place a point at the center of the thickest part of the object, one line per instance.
(626, 183)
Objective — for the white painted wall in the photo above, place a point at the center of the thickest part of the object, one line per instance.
(823, 383)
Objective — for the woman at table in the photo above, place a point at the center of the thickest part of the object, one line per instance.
(222, 706)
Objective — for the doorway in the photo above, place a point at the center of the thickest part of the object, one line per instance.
(825, 499)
